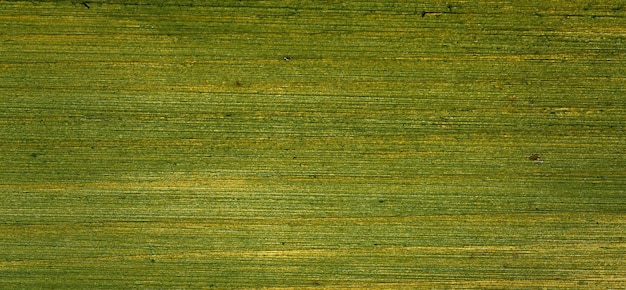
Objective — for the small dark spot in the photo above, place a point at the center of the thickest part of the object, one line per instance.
(287, 58)
(237, 83)
(423, 13)
(381, 200)
(152, 261)
(449, 6)
(34, 155)
(93, 147)
(535, 157)
(282, 243)
(294, 157)
(505, 266)
(86, 5)
(228, 115)
(375, 244)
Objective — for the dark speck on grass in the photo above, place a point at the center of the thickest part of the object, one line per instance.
(287, 58)
(535, 157)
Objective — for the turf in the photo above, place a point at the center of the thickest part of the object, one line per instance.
(322, 144)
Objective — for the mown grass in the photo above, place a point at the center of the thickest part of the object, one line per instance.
(171, 144)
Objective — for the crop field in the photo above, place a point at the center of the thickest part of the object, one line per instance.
(312, 144)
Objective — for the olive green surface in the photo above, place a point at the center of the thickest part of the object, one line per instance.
(322, 144)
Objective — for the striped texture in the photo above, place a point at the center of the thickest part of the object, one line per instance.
(325, 144)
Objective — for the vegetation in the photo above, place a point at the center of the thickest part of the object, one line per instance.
(295, 144)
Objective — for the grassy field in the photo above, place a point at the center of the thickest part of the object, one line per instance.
(321, 144)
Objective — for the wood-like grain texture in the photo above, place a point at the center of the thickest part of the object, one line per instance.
(323, 144)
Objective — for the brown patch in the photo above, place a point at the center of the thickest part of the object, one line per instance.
(535, 157)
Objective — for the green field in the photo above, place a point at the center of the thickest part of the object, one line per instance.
(322, 144)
